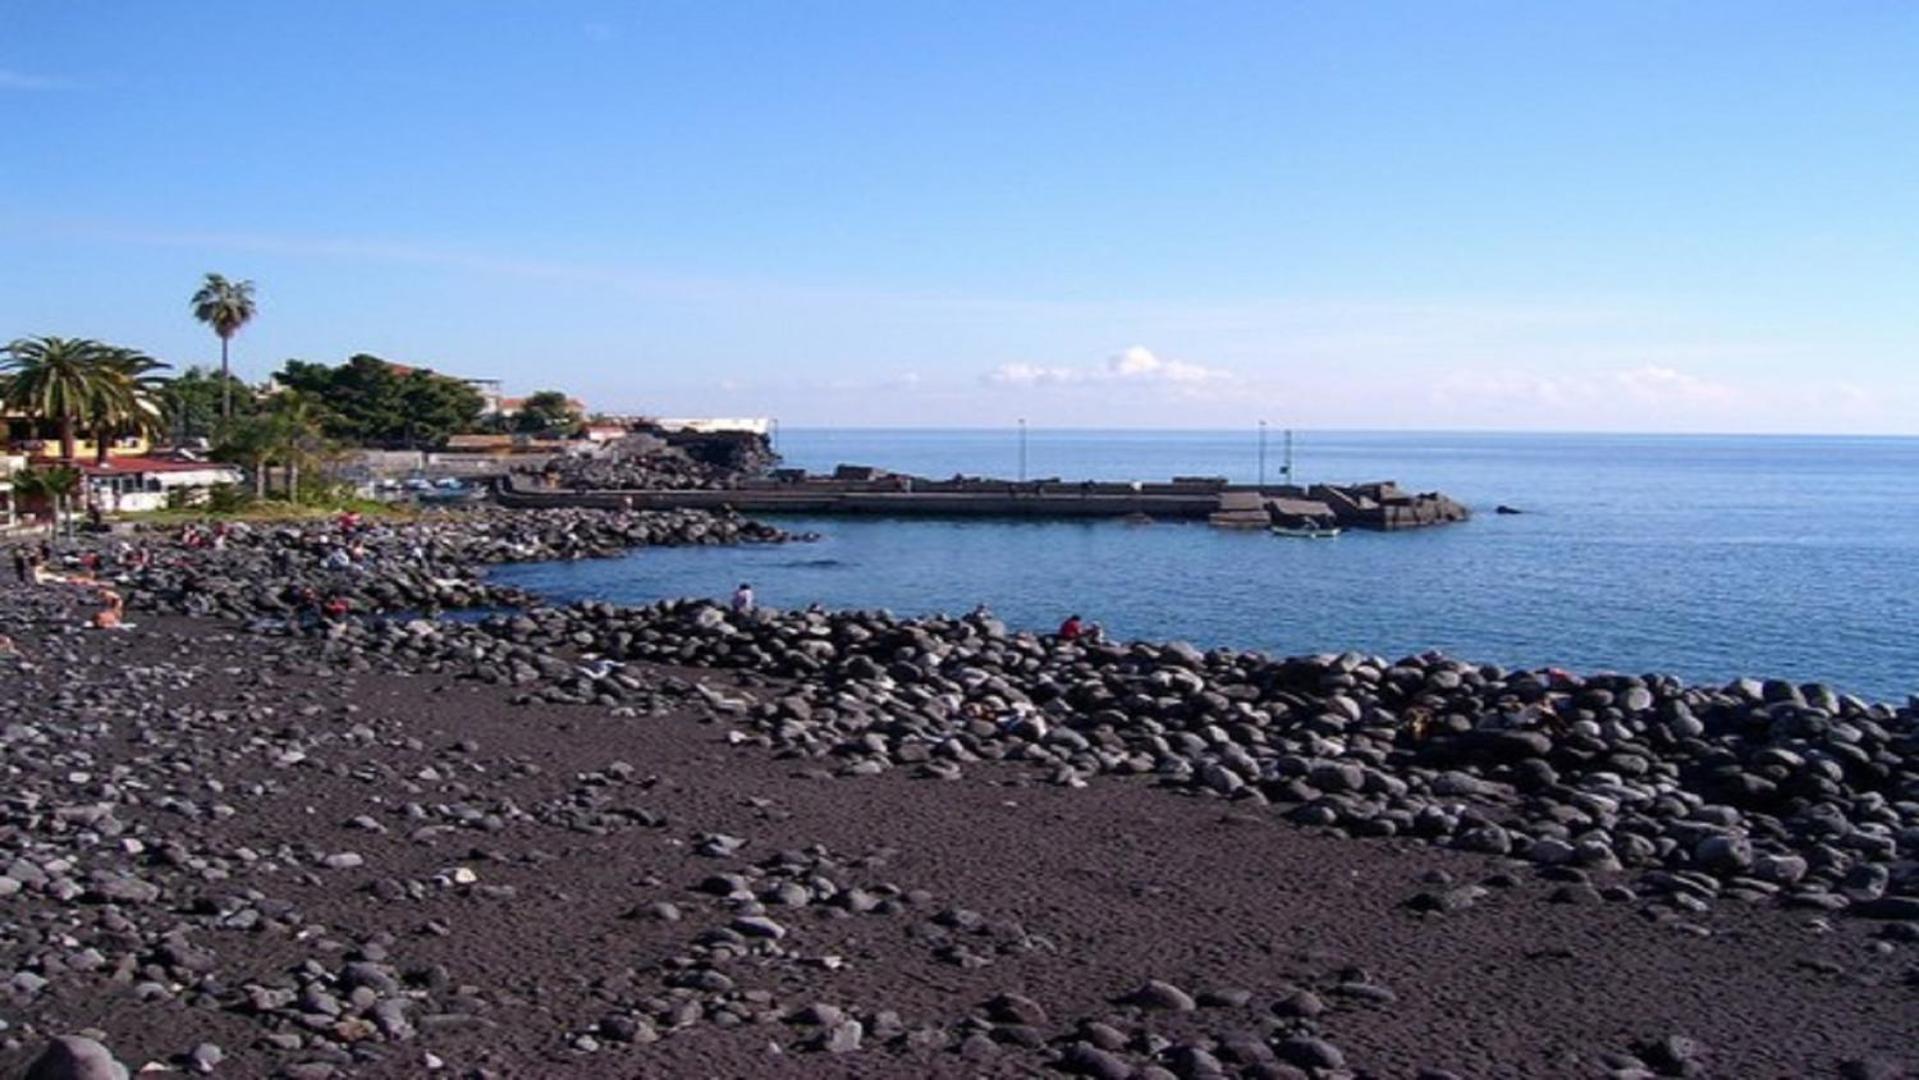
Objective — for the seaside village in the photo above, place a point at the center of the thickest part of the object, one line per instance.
(97, 434)
(165, 447)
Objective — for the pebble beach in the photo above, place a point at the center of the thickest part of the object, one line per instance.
(245, 837)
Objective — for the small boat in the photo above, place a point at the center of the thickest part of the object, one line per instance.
(445, 493)
(1307, 532)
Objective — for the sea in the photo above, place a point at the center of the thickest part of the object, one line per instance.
(1707, 557)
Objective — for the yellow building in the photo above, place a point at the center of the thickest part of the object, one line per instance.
(41, 439)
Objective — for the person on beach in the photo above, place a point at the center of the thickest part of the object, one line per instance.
(109, 617)
(743, 599)
(1071, 629)
(22, 566)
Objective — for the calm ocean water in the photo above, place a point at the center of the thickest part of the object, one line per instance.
(1708, 557)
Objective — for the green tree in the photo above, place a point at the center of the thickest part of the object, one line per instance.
(362, 397)
(298, 434)
(547, 412)
(438, 407)
(370, 401)
(225, 306)
(54, 378)
(253, 443)
(192, 402)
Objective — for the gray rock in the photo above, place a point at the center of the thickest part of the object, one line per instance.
(75, 1057)
(1311, 1053)
(1157, 994)
(1016, 1009)
(1085, 1059)
(842, 1038)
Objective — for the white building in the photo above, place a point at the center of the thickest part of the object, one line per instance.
(758, 425)
(490, 392)
(9, 464)
(127, 484)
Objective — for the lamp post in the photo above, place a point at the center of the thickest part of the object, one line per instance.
(1022, 449)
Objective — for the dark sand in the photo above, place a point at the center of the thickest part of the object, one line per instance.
(1109, 885)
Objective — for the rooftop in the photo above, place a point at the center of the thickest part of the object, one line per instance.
(121, 466)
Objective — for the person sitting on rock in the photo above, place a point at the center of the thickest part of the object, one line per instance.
(1071, 629)
(743, 599)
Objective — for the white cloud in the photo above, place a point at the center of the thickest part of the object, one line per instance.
(20, 80)
(1137, 364)
(1034, 375)
(1659, 385)
(1651, 385)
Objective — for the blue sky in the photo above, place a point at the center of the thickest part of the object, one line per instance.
(1619, 216)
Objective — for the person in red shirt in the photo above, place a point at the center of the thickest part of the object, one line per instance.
(1071, 629)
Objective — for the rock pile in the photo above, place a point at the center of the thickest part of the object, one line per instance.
(665, 462)
(1756, 789)
(431, 565)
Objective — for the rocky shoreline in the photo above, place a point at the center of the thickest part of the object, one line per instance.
(155, 849)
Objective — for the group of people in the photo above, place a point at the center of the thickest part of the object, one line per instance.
(33, 566)
(1077, 630)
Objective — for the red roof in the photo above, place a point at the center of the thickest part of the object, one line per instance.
(120, 466)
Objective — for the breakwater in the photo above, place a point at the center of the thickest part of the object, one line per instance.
(859, 490)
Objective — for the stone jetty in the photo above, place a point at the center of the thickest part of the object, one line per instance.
(739, 471)
(680, 839)
(866, 490)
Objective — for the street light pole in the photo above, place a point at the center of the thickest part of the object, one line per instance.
(1022, 449)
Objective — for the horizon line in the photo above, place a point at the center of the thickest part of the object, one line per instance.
(1277, 428)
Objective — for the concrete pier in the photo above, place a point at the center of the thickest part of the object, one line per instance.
(863, 491)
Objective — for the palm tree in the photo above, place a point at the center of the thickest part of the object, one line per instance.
(54, 378)
(55, 485)
(127, 397)
(297, 436)
(254, 443)
(226, 306)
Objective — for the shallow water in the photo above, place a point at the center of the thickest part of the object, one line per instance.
(1708, 557)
